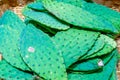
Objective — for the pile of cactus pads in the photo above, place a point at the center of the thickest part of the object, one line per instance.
(59, 40)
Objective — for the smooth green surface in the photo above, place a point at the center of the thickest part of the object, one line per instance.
(41, 55)
(45, 19)
(8, 72)
(78, 17)
(9, 47)
(74, 43)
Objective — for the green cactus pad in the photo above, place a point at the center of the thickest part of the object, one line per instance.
(100, 75)
(94, 64)
(8, 72)
(106, 58)
(99, 44)
(74, 43)
(104, 12)
(110, 45)
(113, 76)
(11, 19)
(9, 47)
(45, 29)
(36, 6)
(46, 19)
(90, 65)
(79, 17)
(39, 52)
(49, 31)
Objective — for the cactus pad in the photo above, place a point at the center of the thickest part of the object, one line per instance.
(94, 64)
(105, 12)
(11, 19)
(39, 52)
(113, 76)
(91, 65)
(99, 44)
(8, 72)
(79, 17)
(110, 45)
(106, 58)
(74, 43)
(36, 6)
(45, 19)
(105, 73)
(9, 47)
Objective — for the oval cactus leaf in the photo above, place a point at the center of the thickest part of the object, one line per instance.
(9, 47)
(105, 73)
(11, 19)
(87, 66)
(78, 17)
(49, 31)
(36, 6)
(45, 19)
(41, 55)
(93, 64)
(8, 72)
(99, 44)
(74, 43)
(110, 45)
(104, 12)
